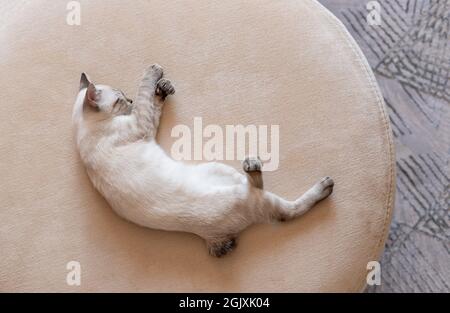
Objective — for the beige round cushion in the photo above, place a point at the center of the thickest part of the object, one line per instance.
(288, 63)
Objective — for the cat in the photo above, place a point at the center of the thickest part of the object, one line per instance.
(115, 138)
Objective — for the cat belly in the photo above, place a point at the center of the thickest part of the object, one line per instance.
(197, 211)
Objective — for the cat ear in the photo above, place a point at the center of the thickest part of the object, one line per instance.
(91, 92)
(84, 81)
(92, 95)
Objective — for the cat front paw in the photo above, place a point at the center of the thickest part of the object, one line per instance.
(324, 187)
(252, 164)
(155, 71)
(164, 87)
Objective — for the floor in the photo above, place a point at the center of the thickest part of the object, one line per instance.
(408, 47)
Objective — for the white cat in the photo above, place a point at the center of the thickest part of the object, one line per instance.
(116, 141)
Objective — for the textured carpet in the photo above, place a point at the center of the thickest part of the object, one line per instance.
(410, 55)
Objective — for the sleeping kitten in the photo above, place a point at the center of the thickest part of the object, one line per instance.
(116, 141)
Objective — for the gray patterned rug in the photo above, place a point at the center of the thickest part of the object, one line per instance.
(407, 43)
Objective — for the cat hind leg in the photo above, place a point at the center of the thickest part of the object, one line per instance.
(252, 167)
(316, 193)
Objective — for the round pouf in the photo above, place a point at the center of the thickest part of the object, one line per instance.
(287, 65)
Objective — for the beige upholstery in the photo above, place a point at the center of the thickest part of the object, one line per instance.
(288, 62)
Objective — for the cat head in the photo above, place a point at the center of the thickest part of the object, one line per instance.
(104, 99)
